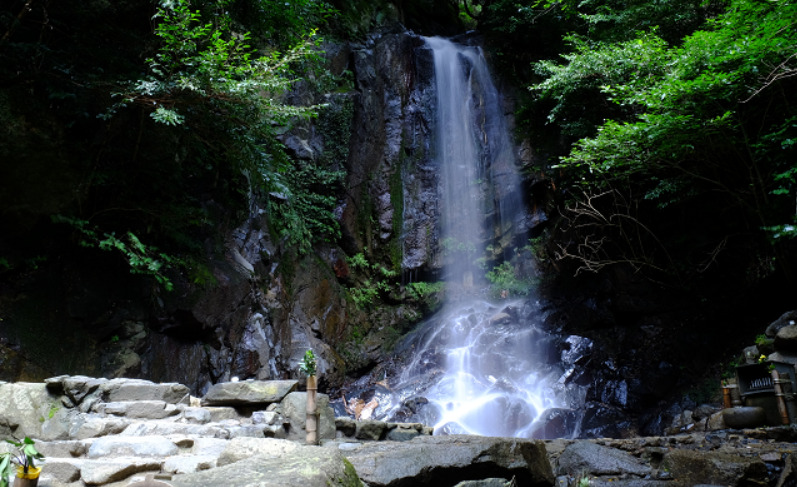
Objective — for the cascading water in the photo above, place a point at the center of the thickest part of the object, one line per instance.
(476, 367)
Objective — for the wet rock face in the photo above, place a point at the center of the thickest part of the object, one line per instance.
(391, 164)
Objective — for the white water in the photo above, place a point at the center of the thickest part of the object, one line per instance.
(478, 366)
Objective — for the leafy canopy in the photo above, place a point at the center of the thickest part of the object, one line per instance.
(711, 115)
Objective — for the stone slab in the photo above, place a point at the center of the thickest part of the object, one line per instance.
(248, 393)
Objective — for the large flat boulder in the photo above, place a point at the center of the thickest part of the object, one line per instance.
(446, 460)
(294, 410)
(585, 456)
(141, 409)
(305, 466)
(248, 393)
(23, 408)
(692, 467)
(148, 446)
(239, 449)
(99, 472)
(120, 390)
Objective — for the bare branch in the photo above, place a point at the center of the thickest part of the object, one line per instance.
(780, 72)
(607, 233)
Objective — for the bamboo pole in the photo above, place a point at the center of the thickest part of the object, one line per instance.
(784, 413)
(311, 420)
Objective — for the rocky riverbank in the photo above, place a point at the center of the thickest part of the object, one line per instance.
(134, 432)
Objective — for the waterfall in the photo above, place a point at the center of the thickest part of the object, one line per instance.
(459, 158)
(480, 184)
(480, 365)
(477, 367)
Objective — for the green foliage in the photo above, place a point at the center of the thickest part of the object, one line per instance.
(429, 294)
(304, 210)
(141, 258)
(617, 20)
(422, 290)
(308, 363)
(206, 65)
(358, 262)
(538, 246)
(452, 246)
(280, 23)
(714, 115)
(204, 68)
(351, 348)
(6, 469)
(586, 74)
(376, 281)
(207, 62)
(505, 281)
(25, 455)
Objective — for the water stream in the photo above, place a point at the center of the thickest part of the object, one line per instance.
(478, 366)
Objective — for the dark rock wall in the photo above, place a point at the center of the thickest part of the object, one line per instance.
(391, 205)
(261, 305)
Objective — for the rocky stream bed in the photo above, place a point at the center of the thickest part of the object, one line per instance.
(135, 432)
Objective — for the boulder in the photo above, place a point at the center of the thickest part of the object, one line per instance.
(500, 319)
(598, 460)
(294, 411)
(404, 431)
(744, 417)
(65, 449)
(248, 431)
(604, 421)
(149, 481)
(486, 483)
(266, 417)
(305, 466)
(93, 426)
(196, 415)
(692, 467)
(346, 425)
(248, 393)
(116, 446)
(76, 387)
(786, 319)
(222, 412)
(445, 460)
(786, 339)
(188, 463)
(371, 430)
(23, 408)
(168, 428)
(62, 470)
(716, 422)
(141, 409)
(98, 472)
(789, 474)
(783, 357)
(209, 446)
(119, 390)
(555, 423)
(239, 449)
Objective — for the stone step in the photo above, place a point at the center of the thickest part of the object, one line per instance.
(106, 460)
(96, 471)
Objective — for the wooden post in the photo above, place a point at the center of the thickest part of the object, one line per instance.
(311, 420)
(784, 413)
(726, 396)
